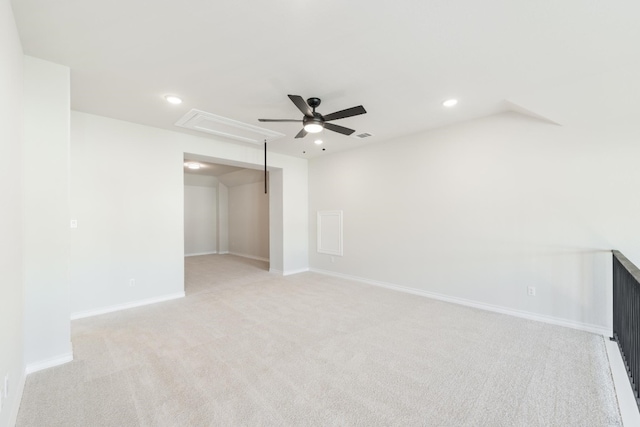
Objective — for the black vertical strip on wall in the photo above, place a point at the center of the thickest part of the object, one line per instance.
(626, 317)
(265, 166)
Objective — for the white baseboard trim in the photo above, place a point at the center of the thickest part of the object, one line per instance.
(124, 306)
(288, 272)
(624, 392)
(249, 256)
(201, 253)
(223, 253)
(298, 271)
(49, 363)
(13, 415)
(596, 329)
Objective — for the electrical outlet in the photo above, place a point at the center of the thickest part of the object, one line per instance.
(531, 291)
(73, 223)
(132, 282)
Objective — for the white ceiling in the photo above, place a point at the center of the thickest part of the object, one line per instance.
(231, 176)
(400, 60)
(209, 169)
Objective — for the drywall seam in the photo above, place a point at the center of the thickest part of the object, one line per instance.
(596, 329)
(118, 307)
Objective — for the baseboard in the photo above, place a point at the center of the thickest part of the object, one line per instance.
(298, 271)
(223, 253)
(13, 415)
(118, 307)
(288, 272)
(201, 253)
(600, 330)
(624, 392)
(49, 363)
(249, 256)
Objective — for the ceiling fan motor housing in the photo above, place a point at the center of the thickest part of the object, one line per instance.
(317, 119)
(313, 103)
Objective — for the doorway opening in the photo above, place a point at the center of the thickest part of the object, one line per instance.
(227, 213)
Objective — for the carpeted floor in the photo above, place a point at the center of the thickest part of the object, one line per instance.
(250, 348)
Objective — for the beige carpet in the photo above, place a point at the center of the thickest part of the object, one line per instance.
(249, 348)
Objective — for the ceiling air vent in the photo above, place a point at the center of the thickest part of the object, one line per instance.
(362, 135)
(228, 128)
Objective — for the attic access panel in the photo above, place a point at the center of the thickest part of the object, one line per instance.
(203, 121)
(330, 232)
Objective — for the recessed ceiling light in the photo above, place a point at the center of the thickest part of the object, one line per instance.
(318, 141)
(172, 99)
(450, 102)
(193, 165)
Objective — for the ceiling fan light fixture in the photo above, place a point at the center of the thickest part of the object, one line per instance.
(313, 127)
(317, 141)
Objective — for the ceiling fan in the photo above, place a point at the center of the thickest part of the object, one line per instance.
(314, 122)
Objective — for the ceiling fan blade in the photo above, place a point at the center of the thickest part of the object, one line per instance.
(349, 112)
(301, 104)
(302, 133)
(340, 129)
(278, 120)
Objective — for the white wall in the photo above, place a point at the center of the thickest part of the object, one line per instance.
(130, 212)
(276, 216)
(200, 220)
(46, 213)
(11, 257)
(193, 179)
(223, 219)
(249, 221)
(481, 210)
